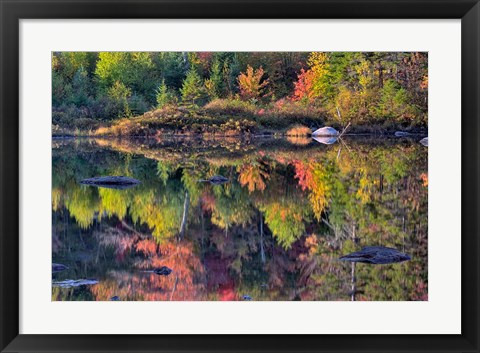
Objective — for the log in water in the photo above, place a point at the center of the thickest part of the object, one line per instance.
(69, 283)
(376, 255)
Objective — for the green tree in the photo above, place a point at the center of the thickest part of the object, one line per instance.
(214, 84)
(231, 70)
(68, 63)
(164, 96)
(81, 86)
(172, 67)
(60, 89)
(119, 93)
(135, 70)
(394, 101)
(192, 89)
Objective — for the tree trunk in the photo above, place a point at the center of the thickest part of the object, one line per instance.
(353, 278)
(262, 250)
(185, 215)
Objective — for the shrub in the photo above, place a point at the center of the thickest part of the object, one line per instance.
(231, 107)
(137, 104)
(285, 113)
(119, 93)
(237, 127)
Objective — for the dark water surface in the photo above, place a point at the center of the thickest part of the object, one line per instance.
(274, 231)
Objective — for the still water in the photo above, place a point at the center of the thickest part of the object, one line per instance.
(275, 230)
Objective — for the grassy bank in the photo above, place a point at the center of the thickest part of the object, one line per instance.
(226, 118)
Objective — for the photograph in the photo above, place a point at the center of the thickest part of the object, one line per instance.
(239, 176)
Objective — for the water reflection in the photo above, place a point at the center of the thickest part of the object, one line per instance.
(274, 231)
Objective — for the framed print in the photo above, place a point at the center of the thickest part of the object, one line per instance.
(237, 176)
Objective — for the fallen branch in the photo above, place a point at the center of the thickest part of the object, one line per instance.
(343, 131)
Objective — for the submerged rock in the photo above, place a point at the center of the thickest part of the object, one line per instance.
(162, 271)
(111, 182)
(402, 134)
(69, 283)
(215, 180)
(376, 255)
(58, 267)
(327, 140)
(325, 131)
(424, 141)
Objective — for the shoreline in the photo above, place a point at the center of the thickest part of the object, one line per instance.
(417, 134)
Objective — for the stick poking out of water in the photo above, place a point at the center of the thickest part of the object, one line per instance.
(344, 130)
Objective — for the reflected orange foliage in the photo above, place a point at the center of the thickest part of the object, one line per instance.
(187, 281)
(424, 178)
(253, 175)
(311, 176)
(147, 246)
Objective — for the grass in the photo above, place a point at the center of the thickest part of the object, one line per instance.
(230, 107)
(179, 121)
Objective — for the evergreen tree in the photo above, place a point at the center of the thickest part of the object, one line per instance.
(80, 88)
(192, 89)
(164, 96)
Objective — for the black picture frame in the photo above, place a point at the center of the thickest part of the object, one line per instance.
(14, 10)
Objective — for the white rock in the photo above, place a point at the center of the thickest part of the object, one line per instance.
(326, 131)
(424, 141)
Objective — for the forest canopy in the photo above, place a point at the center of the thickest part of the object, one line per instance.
(264, 89)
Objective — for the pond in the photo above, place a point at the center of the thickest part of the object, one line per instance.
(273, 230)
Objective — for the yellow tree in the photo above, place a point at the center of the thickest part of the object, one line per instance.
(319, 65)
(251, 84)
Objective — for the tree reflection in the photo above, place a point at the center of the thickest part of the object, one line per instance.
(273, 232)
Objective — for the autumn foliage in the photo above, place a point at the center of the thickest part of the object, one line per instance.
(303, 87)
(251, 84)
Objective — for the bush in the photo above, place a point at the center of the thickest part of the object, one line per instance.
(137, 104)
(231, 107)
(237, 127)
(285, 113)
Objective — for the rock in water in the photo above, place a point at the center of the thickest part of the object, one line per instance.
(111, 182)
(215, 180)
(115, 298)
(247, 297)
(326, 131)
(424, 141)
(402, 134)
(58, 267)
(70, 283)
(162, 271)
(376, 255)
(326, 140)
